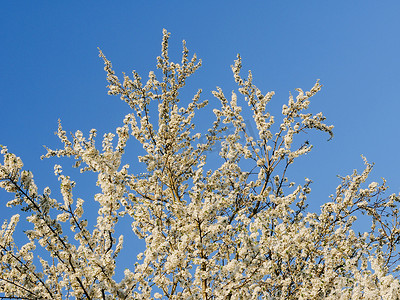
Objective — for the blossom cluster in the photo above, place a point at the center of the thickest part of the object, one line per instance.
(238, 230)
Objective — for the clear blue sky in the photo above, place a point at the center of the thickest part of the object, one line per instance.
(50, 69)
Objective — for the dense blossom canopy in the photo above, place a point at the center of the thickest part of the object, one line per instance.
(236, 230)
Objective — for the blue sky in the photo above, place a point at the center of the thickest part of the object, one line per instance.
(50, 69)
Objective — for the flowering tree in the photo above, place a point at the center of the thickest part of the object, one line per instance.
(240, 230)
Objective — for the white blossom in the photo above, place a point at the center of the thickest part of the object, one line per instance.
(233, 228)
